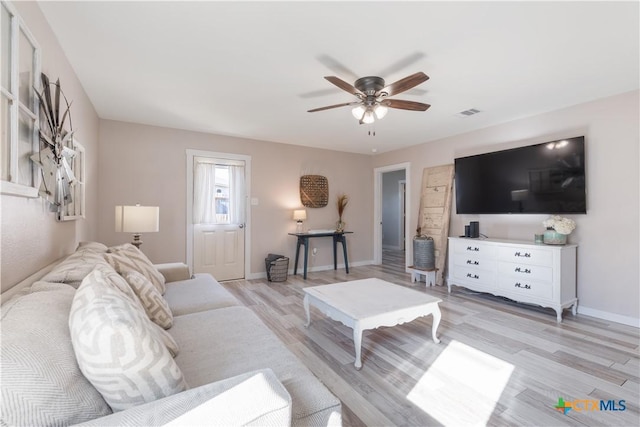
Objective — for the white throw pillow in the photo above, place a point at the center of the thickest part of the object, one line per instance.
(74, 268)
(154, 304)
(126, 258)
(41, 381)
(92, 246)
(119, 350)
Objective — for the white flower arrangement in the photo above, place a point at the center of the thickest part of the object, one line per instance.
(560, 224)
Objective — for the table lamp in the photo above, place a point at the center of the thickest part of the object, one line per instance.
(299, 215)
(137, 219)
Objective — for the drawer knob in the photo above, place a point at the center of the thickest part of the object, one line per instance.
(522, 270)
(473, 262)
(473, 276)
(521, 286)
(522, 254)
(473, 249)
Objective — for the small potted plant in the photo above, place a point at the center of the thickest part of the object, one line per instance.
(557, 230)
(341, 204)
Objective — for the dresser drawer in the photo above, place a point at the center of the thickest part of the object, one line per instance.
(474, 261)
(526, 271)
(475, 247)
(525, 255)
(525, 287)
(475, 275)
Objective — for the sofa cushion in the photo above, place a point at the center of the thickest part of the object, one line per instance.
(249, 345)
(41, 381)
(154, 305)
(126, 258)
(201, 293)
(74, 268)
(253, 398)
(119, 350)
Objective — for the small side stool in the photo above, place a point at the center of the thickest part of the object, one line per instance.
(429, 275)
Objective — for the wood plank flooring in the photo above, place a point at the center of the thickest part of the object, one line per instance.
(499, 363)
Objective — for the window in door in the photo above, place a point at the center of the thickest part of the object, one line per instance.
(219, 193)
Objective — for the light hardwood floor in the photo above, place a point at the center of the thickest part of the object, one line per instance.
(499, 363)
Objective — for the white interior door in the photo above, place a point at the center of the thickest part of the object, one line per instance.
(219, 250)
(219, 204)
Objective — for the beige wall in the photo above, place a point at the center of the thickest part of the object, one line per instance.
(608, 235)
(31, 237)
(147, 165)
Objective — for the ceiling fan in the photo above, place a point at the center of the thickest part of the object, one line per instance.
(372, 94)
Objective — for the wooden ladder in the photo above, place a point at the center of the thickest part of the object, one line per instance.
(435, 211)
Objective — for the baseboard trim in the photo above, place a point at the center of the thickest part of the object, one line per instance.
(263, 275)
(612, 317)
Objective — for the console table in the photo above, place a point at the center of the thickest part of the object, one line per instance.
(303, 240)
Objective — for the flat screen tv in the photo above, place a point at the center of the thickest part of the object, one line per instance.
(546, 178)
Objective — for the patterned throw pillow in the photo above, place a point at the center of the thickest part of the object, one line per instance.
(41, 381)
(119, 350)
(127, 258)
(167, 340)
(154, 304)
(74, 268)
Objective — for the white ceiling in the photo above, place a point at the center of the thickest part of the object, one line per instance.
(253, 69)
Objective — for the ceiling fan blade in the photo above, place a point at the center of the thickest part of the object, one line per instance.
(405, 105)
(333, 106)
(344, 85)
(404, 84)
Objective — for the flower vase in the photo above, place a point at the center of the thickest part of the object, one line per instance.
(552, 237)
(340, 226)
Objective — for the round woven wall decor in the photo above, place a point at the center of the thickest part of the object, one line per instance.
(314, 191)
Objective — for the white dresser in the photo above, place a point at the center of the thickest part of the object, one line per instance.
(525, 272)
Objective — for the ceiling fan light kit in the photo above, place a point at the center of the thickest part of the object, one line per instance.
(372, 96)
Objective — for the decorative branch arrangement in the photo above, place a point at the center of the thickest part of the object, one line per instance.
(341, 203)
(54, 156)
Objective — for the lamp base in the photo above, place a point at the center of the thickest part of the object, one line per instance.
(299, 227)
(136, 241)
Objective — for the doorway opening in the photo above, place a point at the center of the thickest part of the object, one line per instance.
(392, 215)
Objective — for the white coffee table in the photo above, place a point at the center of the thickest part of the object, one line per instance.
(369, 304)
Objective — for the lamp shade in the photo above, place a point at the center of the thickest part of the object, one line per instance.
(300, 214)
(137, 219)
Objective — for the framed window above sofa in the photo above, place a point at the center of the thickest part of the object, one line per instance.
(75, 209)
(19, 109)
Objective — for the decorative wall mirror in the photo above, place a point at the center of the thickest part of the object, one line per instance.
(314, 191)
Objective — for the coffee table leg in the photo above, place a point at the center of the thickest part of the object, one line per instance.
(436, 321)
(357, 342)
(305, 301)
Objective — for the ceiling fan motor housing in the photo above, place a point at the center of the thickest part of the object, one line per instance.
(369, 85)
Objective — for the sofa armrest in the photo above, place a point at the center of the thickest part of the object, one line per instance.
(174, 271)
(253, 398)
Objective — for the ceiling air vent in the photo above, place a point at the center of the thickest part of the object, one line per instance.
(467, 113)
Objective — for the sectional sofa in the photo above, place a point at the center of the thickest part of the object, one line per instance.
(104, 337)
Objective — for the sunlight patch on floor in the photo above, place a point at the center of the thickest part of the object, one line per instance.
(462, 387)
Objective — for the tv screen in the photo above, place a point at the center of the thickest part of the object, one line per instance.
(546, 178)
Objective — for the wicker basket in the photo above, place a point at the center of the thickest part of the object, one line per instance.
(277, 267)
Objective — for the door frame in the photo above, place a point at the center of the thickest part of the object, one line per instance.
(377, 203)
(402, 225)
(190, 155)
